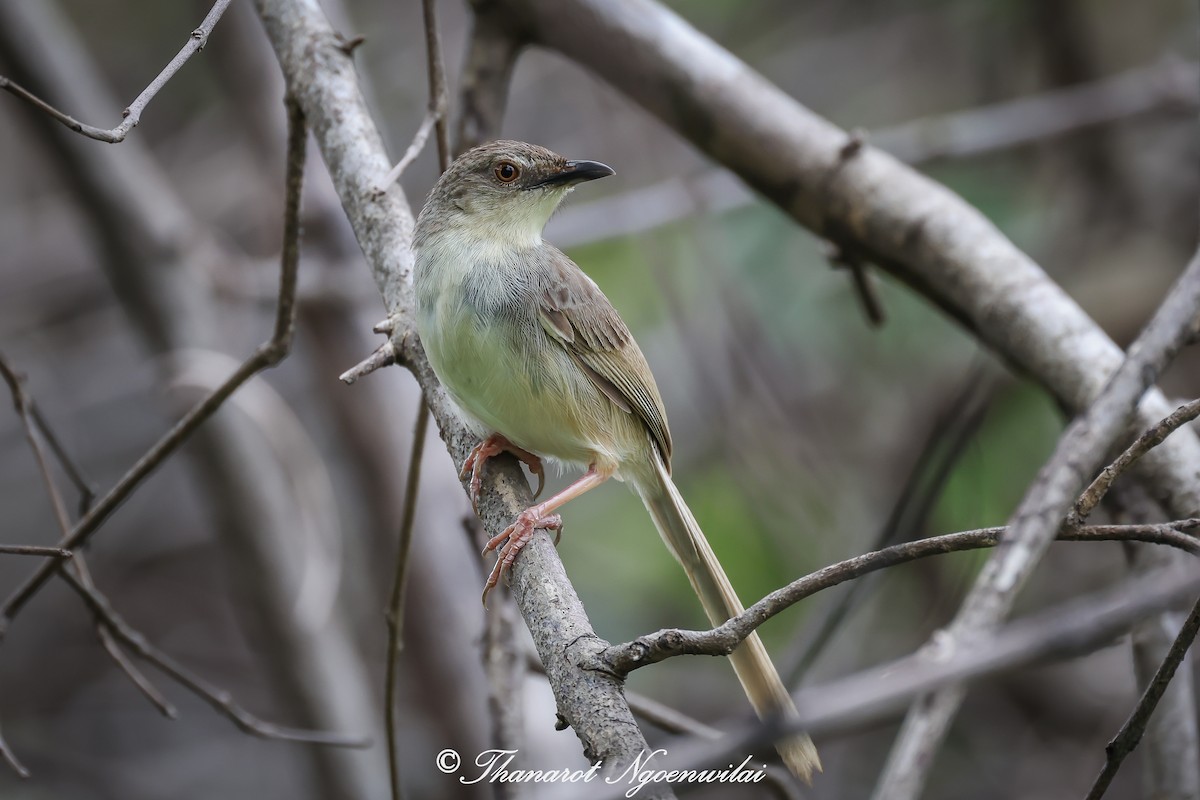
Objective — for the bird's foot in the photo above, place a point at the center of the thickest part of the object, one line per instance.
(494, 445)
(513, 539)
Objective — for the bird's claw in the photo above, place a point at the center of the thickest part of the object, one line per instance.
(494, 445)
(513, 539)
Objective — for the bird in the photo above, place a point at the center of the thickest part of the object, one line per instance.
(540, 365)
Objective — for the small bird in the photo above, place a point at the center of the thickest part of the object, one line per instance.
(542, 366)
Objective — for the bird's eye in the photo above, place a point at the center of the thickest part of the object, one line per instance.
(507, 172)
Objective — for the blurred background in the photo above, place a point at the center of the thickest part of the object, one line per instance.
(135, 277)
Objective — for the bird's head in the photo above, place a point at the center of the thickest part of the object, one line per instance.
(504, 190)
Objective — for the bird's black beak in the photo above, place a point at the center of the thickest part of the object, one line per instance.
(577, 172)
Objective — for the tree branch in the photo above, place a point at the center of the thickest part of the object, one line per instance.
(622, 659)
(1131, 732)
(133, 113)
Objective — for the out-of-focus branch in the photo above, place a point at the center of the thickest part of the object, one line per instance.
(721, 640)
(215, 697)
(323, 80)
(159, 258)
(1080, 452)
(133, 113)
(1167, 85)
(1131, 732)
(267, 355)
(492, 52)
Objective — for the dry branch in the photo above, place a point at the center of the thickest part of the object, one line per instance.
(132, 115)
(721, 640)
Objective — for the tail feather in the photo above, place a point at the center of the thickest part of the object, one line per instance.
(753, 666)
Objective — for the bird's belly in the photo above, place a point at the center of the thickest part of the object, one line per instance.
(509, 379)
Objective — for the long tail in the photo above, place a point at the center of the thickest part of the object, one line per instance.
(753, 666)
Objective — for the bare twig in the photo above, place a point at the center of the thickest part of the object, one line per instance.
(133, 114)
(384, 356)
(1131, 732)
(395, 611)
(113, 648)
(34, 425)
(1092, 496)
(218, 698)
(721, 640)
(34, 550)
(432, 115)
(1079, 452)
(267, 355)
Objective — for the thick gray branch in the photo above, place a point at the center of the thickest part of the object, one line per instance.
(321, 76)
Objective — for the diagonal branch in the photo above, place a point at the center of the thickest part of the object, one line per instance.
(218, 698)
(1131, 732)
(133, 113)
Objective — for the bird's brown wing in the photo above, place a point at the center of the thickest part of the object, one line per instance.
(576, 313)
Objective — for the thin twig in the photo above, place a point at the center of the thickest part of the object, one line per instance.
(34, 550)
(34, 425)
(395, 614)
(395, 611)
(216, 697)
(133, 114)
(1092, 496)
(432, 115)
(266, 355)
(721, 640)
(1131, 732)
(113, 648)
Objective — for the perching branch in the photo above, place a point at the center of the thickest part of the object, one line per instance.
(133, 114)
(622, 659)
(323, 80)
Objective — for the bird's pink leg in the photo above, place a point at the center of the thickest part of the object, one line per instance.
(517, 535)
(494, 445)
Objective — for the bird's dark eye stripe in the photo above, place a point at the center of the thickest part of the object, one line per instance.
(507, 172)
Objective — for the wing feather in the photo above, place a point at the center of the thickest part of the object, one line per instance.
(576, 313)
